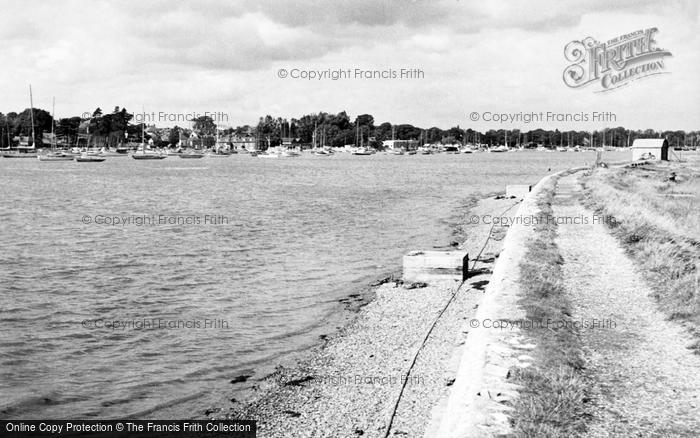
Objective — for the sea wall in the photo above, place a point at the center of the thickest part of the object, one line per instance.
(474, 407)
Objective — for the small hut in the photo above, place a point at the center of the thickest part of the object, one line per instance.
(650, 149)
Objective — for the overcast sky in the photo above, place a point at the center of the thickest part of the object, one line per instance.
(224, 56)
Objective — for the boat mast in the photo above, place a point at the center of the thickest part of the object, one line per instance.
(53, 112)
(143, 130)
(31, 105)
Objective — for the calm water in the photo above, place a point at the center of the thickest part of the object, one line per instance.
(298, 235)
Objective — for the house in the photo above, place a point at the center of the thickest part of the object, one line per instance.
(242, 142)
(650, 149)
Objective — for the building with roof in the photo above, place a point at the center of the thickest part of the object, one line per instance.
(650, 149)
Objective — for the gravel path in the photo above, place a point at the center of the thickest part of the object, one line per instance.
(349, 387)
(646, 382)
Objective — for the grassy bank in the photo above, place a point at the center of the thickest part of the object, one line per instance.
(655, 213)
(553, 395)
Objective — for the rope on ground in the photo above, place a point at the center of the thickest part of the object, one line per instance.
(491, 233)
(430, 330)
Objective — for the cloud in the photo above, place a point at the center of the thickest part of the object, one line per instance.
(184, 55)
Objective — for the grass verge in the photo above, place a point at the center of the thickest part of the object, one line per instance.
(552, 401)
(655, 213)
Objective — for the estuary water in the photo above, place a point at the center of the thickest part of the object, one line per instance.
(129, 288)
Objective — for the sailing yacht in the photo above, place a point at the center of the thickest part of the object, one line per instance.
(30, 151)
(362, 150)
(221, 150)
(87, 156)
(54, 155)
(146, 155)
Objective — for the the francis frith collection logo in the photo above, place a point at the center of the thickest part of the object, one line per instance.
(614, 63)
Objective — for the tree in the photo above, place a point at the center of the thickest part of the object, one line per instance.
(68, 128)
(174, 137)
(204, 125)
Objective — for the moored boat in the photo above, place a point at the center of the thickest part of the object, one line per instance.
(499, 149)
(191, 154)
(18, 154)
(147, 156)
(56, 156)
(85, 158)
(361, 151)
(268, 155)
(29, 151)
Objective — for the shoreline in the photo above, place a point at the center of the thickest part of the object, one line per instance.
(355, 297)
(364, 362)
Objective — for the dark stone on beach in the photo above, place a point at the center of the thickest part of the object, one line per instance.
(240, 379)
(499, 197)
(416, 285)
(450, 381)
(292, 413)
(233, 400)
(359, 432)
(323, 337)
(479, 285)
(298, 382)
(382, 281)
(208, 412)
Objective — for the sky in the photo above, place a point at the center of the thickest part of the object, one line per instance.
(174, 58)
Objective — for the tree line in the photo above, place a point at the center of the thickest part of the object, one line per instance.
(324, 129)
(338, 130)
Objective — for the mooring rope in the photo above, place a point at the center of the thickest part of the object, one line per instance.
(491, 233)
(432, 326)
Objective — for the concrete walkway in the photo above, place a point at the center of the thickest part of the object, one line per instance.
(646, 383)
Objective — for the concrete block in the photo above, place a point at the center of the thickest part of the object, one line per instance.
(435, 265)
(518, 190)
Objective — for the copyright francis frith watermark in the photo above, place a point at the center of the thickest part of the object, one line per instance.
(614, 63)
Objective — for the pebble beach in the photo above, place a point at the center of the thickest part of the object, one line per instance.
(361, 380)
